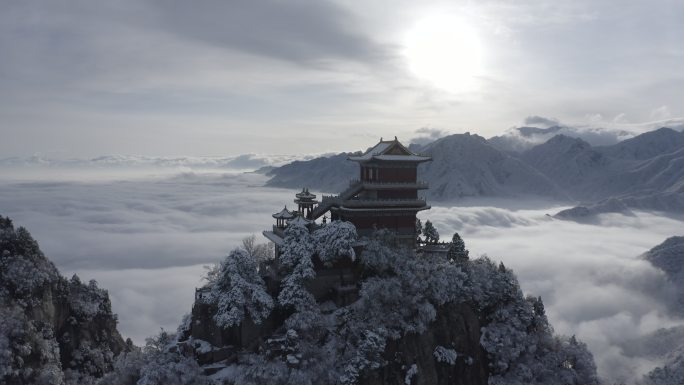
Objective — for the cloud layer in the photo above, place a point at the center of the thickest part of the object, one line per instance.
(144, 240)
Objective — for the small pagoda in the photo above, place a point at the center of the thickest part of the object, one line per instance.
(282, 217)
(305, 202)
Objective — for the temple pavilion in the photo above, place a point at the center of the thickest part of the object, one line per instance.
(384, 196)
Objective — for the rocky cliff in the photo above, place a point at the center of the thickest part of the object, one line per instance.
(52, 330)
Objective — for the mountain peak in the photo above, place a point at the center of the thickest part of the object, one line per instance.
(454, 139)
(647, 145)
(562, 138)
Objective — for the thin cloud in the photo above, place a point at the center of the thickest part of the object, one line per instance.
(427, 135)
(597, 131)
(536, 120)
(301, 32)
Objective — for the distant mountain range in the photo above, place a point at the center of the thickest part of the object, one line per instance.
(643, 172)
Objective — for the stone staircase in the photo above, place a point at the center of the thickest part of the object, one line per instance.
(334, 200)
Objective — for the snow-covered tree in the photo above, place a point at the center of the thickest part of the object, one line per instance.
(240, 291)
(430, 232)
(29, 353)
(419, 229)
(457, 250)
(52, 330)
(298, 246)
(24, 271)
(518, 339)
(295, 259)
(155, 364)
(88, 301)
(672, 373)
(335, 241)
(259, 251)
(368, 355)
(379, 254)
(445, 355)
(293, 293)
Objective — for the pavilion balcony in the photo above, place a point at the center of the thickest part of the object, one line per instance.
(280, 231)
(410, 202)
(395, 185)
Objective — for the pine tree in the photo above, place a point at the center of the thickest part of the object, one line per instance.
(457, 251)
(430, 232)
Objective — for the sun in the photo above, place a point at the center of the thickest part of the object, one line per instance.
(446, 52)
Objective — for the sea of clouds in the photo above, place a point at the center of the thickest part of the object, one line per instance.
(146, 239)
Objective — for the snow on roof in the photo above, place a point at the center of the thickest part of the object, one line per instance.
(273, 237)
(305, 194)
(390, 150)
(412, 158)
(299, 221)
(283, 214)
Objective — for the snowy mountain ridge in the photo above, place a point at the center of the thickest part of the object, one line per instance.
(644, 172)
(463, 165)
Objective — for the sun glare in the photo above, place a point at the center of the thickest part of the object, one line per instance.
(445, 52)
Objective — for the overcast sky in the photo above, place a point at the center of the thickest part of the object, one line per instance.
(83, 78)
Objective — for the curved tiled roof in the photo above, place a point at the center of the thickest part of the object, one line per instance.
(299, 221)
(305, 194)
(284, 214)
(390, 150)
